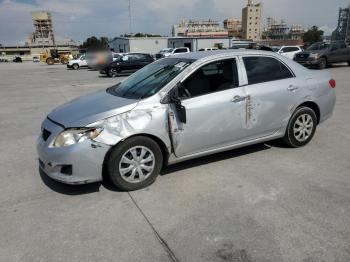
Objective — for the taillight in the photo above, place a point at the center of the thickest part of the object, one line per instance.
(332, 83)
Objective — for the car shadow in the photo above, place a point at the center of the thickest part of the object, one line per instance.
(214, 158)
(337, 65)
(70, 190)
(107, 184)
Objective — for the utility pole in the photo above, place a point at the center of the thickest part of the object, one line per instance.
(130, 18)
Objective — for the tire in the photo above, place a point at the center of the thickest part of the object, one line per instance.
(307, 127)
(75, 66)
(64, 61)
(322, 64)
(50, 61)
(112, 72)
(124, 170)
(348, 63)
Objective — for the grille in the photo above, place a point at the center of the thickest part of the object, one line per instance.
(303, 56)
(45, 134)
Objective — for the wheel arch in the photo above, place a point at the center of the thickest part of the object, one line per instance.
(314, 107)
(159, 141)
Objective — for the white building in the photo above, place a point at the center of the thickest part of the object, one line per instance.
(153, 45)
(150, 45)
(205, 28)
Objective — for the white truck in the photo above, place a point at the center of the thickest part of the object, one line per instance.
(77, 63)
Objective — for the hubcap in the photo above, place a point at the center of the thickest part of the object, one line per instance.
(137, 164)
(303, 127)
(113, 72)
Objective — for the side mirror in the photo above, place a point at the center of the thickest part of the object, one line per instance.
(173, 98)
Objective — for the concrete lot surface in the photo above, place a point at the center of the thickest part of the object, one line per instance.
(261, 203)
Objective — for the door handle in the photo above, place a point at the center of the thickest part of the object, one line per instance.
(238, 99)
(292, 88)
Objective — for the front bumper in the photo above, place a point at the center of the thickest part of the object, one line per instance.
(307, 62)
(69, 66)
(85, 160)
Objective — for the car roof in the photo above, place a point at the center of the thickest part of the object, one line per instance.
(213, 53)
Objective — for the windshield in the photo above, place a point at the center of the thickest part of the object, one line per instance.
(319, 46)
(150, 79)
(166, 50)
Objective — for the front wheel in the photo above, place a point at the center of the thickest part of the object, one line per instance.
(135, 163)
(322, 63)
(75, 66)
(112, 72)
(301, 127)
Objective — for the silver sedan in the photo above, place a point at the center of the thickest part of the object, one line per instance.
(183, 107)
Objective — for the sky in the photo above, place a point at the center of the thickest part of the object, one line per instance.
(79, 19)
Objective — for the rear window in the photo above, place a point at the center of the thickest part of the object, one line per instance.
(290, 49)
(264, 69)
(181, 50)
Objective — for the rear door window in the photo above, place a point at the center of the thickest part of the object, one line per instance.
(262, 69)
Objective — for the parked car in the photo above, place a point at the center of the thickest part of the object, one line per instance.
(183, 107)
(127, 64)
(77, 63)
(36, 59)
(207, 49)
(243, 44)
(322, 54)
(289, 51)
(17, 59)
(3, 59)
(264, 48)
(172, 51)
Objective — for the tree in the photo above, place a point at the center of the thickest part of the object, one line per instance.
(313, 35)
(93, 43)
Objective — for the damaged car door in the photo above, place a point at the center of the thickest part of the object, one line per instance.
(208, 111)
(272, 93)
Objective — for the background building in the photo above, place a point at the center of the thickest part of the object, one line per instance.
(234, 27)
(276, 30)
(205, 28)
(251, 21)
(43, 29)
(296, 32)
(342, 33)
(279, 33)
(138, 44)
(42, 40)
(197, 43)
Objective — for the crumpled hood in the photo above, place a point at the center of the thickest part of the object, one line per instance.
(91, 108)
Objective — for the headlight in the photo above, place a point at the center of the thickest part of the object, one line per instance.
(314, 55)
(72, 136)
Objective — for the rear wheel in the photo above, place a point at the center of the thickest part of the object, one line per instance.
(75, 66)
(50, 61)
(112, 72)
(135, 163)
(322, 63)
(301, 127)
